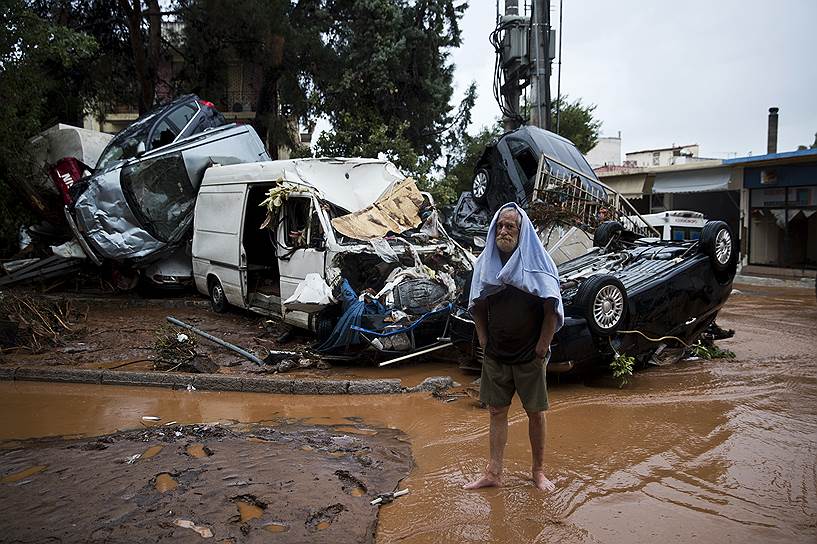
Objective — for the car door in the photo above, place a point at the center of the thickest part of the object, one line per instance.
(301, 242)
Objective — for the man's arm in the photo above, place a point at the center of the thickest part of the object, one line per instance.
(480, 315)
(548, 329)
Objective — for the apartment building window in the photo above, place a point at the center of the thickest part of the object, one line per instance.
(656, 158)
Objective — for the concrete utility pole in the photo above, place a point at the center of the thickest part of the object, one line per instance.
(541, 56)
(511, 90)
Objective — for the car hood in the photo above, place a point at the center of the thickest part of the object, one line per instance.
(102, 213)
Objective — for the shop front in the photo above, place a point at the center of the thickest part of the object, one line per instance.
(780, 211)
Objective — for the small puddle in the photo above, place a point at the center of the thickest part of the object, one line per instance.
(276, 528)
(152, 451)
(165, 483)
(198, 451)
(23, 474)
(307, 447)
(323, 525)
(249, 511)
(358, 492)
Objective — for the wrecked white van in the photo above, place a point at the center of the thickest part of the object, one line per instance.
(348, 248)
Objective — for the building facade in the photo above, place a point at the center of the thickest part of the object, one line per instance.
(779, 212)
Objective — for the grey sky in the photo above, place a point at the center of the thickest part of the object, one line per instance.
(666, 73)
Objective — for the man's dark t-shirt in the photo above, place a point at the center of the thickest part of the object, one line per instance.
(514, 325)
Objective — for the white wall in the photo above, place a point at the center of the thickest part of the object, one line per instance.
(606, 152)
(666, 157)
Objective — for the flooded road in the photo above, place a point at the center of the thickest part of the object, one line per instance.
(722, 450)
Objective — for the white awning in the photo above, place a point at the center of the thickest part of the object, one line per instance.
(692, 181)
(629, 186)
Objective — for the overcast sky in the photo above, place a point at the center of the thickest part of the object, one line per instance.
(664, 73)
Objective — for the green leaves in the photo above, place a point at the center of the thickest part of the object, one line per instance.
(622, 367)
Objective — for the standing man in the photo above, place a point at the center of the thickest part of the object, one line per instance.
(517, 308)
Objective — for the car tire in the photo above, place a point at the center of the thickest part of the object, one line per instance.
(218, 300)
(606, 232)
(324, 325)
(718, 243)
(602, 300)
(480, 185)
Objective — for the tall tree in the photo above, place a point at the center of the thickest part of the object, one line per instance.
(282, 40)
(394, 88)
(576, 122)
(145, 34)
(34, 53)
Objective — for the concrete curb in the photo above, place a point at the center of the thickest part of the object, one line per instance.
(205, 382)
(124, 302)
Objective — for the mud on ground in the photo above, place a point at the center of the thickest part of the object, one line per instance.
(119, 332)
(296, 482)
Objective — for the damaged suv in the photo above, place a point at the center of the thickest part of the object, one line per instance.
(140, 210)
(348, 248)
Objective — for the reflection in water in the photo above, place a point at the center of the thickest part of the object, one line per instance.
(713, 451)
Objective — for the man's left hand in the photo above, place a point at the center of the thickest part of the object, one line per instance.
(542, 349)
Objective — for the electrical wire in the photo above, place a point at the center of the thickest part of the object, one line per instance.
(654, 339)
(496, 41)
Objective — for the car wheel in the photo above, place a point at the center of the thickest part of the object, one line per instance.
(218, 300)
(480, 185)
(606, 232)
(603, 302)
(717, 242)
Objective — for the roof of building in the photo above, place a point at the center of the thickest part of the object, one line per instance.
(786, 155)
(660, 149)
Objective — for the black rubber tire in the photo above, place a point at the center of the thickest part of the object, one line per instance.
(602, 301)
(482, 198)
(324, 325)
(718, 243)
(218, 300)
(606, 232)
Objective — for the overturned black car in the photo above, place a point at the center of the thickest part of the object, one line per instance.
(632, 296)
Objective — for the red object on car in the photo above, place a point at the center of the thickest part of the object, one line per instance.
(64, 173)
(207, 103)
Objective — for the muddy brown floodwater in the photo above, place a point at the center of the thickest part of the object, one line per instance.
(709, 451)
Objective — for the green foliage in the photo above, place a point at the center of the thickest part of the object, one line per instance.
(576, 123)
(392, 85)
(461, 159)
(699, 349)
(622, 367)
(39, 63)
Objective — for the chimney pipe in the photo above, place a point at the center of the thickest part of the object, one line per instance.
(772, 138)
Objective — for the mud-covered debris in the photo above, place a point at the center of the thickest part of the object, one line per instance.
(323, 518)
(174, 349)
(434, 384)
(386, 498)
(37, 323)
(203, 532)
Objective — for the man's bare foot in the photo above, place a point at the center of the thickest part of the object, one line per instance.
(542, 483)
(488, 480)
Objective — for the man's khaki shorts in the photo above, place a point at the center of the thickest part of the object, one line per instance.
(499, 381)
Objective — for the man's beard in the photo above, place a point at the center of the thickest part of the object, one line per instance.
(505, 245)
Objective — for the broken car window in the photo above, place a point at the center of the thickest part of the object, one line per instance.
(124, 145)
(159, 191)
(164, 134)
(182, 115)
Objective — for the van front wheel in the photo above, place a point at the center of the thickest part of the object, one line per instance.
(217, 298)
